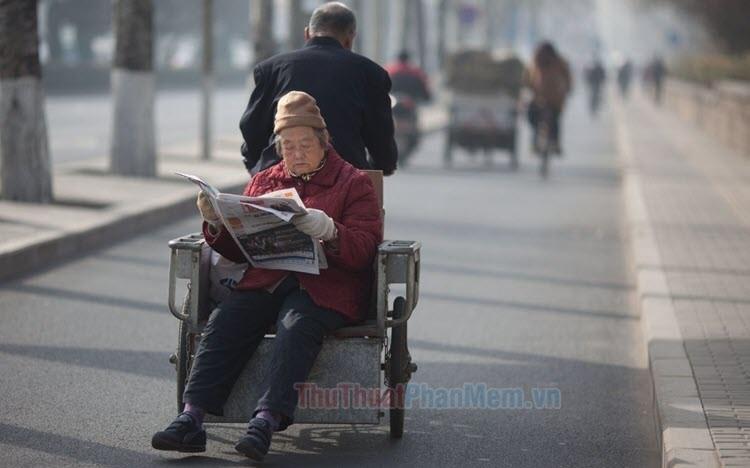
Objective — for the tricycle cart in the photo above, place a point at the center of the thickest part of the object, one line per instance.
(483, 104)
(368, 355)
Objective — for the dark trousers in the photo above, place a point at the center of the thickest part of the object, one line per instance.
(535, 117)
(234, 331)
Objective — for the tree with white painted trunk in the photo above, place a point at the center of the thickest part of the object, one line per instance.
(133, 151)
(24, 155)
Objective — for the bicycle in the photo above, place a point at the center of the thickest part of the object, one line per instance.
(543, 141)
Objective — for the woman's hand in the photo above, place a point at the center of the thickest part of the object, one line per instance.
(207, 211)
(316, 224)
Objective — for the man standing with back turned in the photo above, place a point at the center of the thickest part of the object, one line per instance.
(351, 91)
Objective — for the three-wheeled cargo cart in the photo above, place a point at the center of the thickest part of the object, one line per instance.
(371, 355)
(483, 105)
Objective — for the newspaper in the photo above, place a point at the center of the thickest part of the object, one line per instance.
(262, 229)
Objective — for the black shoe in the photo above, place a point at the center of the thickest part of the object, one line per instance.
(183, 435)
(254, 444)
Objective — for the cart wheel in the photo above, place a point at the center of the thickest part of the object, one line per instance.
(398, 365)
(183, 357)
(448, 152)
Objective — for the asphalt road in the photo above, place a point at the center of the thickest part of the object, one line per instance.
(524, 284)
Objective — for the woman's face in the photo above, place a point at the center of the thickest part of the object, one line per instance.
(300, 149)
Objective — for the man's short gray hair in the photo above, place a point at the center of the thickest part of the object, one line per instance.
(333, 18)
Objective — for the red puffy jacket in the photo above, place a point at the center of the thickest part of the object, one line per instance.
(346, 194)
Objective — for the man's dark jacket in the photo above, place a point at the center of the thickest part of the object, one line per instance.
(351, 91)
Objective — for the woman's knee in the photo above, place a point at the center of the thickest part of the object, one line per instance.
(299, 315)
(238, 315)
(295, 322)
(312, 325)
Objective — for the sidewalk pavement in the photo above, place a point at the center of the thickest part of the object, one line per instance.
(688, 203)
(93, 208)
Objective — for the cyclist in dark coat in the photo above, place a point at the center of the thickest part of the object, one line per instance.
(351, 91)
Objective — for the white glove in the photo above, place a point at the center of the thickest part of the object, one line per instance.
(207, 211)
(316, 224)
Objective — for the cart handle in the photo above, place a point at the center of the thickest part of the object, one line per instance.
(172, 282)
(412, 272)
(405, 270)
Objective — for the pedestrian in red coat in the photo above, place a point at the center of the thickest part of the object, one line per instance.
(344, 214)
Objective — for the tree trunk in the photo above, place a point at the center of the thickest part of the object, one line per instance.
(297, 25)
(133, 151)
(418, 12)
(25, 173)
(208, 79)
(262, 29)
(357, 7)
(533, 26)
(489, 24)
(377, 24)
(406, 24)
(442, 28)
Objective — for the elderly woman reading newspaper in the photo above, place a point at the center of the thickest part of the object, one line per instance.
(344, 214)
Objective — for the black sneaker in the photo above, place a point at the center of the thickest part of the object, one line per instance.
(254, 444)
(183, 435)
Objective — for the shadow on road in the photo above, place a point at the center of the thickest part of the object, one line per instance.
(98, 299)
(528, 307)
(69, 447)
(145, 363)
(519, 275)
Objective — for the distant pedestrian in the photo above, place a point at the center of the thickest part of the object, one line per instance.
(351, 90)
(624, 77)
(657, 73)
(595, 78)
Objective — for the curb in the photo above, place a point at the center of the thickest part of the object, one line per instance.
(683, 433)
(65, 245)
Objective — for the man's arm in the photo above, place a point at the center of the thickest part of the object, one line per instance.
(256, 123)
(378, 123)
